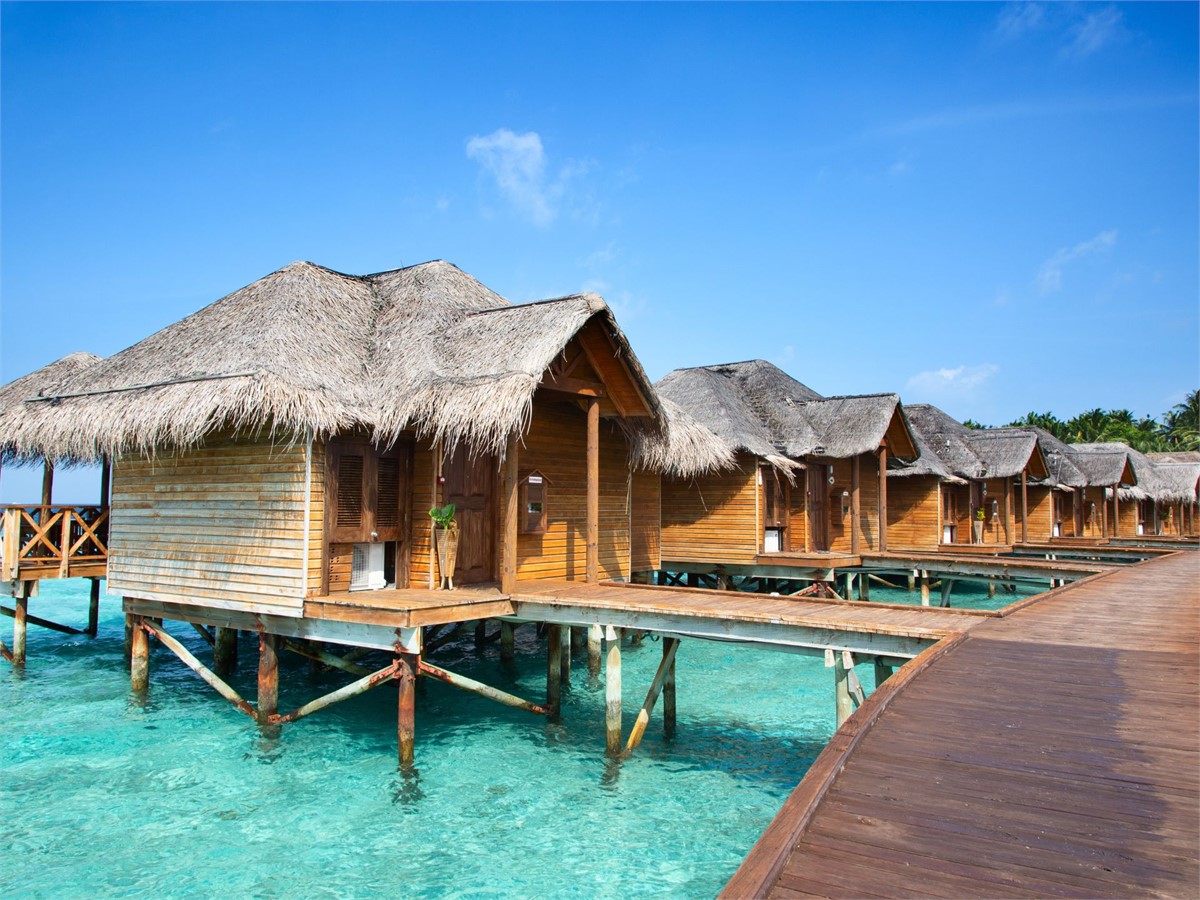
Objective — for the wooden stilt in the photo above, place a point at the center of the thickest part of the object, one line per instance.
(128, 637)
(553, 667)
(139, 660)
(849, 588)
(670, 645)
(612, 693)
(478, 687)
(991, 588)
(864, 587)
(882, 672)
(93, 624)
(480, 635)
(578, 639)
(595, 636)
(186, 657)
(565, 663)
(912, 581)
(47, 483)
(507, 644)
(225, 651)
(947, 586)
(407, 709)
(841, 688)
(924, 588)
(268, 676)
(20, 627)
(668, 695)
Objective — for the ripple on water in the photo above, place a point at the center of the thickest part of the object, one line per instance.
(182, 796)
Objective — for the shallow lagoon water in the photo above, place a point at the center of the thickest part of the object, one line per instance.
(183, 796)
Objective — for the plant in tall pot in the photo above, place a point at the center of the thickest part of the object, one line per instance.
(445, 538)
(977, 525)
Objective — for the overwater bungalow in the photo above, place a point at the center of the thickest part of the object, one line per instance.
(274, 454)
(1107, 466)
(986, 506)
(1179, 474)
(810, 479)
(1056, 501)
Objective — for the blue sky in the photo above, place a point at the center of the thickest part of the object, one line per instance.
(988, 207)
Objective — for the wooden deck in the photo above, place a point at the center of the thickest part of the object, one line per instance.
(1052, 752)
(408, 608)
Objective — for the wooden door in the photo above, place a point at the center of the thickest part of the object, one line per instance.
(818, 504)
(470, 486)
(952, 509)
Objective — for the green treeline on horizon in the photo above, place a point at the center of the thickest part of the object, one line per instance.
(1179, 428)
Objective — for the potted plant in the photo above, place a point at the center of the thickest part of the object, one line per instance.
(977, 525)
(445, 538)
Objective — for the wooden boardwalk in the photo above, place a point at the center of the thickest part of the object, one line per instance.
(1053, 752)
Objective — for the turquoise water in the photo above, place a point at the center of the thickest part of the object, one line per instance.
(964, 595)
(183, 796)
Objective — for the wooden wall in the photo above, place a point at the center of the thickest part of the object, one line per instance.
(711, 518)
(424, 495)
(645, 522)
(1093, 521)
(556, 445)
(1040, 521)
(868, 493)
(222, 525)
(913, 513)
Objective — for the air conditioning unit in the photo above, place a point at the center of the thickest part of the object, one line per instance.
(366, 568)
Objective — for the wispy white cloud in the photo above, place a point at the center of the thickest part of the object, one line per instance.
(940, 385)
(1049, 274)
(1078, 29)
(1019, 19)
(518, 165)
(1094, 31)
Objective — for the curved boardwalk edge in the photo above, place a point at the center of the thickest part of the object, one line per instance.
(1054, 751)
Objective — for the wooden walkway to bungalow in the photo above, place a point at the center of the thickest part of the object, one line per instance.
(1052, 752)
(799, 623)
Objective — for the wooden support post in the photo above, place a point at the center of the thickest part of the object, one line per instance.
(128, 638)
(47, 483)
(670, 645)
(105, 480)
(1116, 528)
(882, 672)
(924, 588)
(864, 586)
(406, 678)
(912, 581)
(507, 644)
(139, 658)
(313, 652)
(669, 695)
(612, 693)
(855, 511)
(991, 587)
(883, 498)
(1025, 506)
(848, 590)
(1008, 510)
(364, 684)
(20, 626)
(31, 619)
(947, 586)
(93, 624)
(592, 537)
(480, 635)
(225, 651)
(595, 636)
(841, 688)
(553, 668)
(565, 659)
(268, 676)
(578, 639)
(509, 519)
(147, 627)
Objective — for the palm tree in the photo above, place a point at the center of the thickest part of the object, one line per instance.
(1181, 426)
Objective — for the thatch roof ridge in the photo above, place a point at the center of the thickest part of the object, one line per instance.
(1177, 481)
(944, 436)
(1104, 464)
(715, 402)
(15, 412)
(308, 350)
(1005, 452)
(1059, 461)
(1175, 456)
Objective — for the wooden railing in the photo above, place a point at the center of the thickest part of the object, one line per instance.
(52, 541)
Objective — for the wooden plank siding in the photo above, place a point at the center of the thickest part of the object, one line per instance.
(712, 517)
(1094, 515)
(913, 520)
(645, 521)
(1041, 513)
(424, 496)
(556, 446)
(839, 534)
(220, 525)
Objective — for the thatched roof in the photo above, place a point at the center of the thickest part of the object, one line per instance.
(976, 453)
(1060, 463)
(15, 413)
(1177, 482)
(1104, 464)
(926, 463)
(756, 407)
(307, 350)
(1175, 456)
